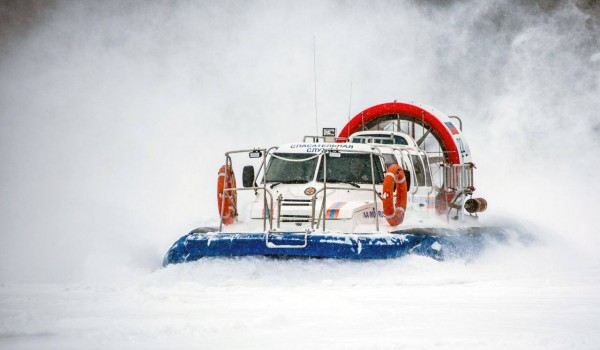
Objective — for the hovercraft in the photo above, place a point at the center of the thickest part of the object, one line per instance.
(397, 180)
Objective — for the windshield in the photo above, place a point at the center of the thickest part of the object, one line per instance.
(290, 168)
(351, 167)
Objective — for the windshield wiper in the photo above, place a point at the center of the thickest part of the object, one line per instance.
(344, 182)
(289, 182)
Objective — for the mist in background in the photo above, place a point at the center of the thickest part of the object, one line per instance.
(115, 116)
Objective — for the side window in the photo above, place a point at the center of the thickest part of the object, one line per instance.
(427, 172)
(389, 159)
(419, 175)
(407, 166)
(400, 140)
(379, 172)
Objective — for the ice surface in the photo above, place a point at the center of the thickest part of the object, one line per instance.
(519, 298)
(114, 118)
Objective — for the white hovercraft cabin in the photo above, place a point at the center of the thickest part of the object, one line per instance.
(338, 186)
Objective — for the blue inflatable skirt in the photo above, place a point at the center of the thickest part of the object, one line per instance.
(437, 243)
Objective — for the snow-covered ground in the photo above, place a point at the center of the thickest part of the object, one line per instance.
(114, 118)
(510, 298)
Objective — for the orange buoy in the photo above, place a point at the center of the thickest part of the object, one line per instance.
(394, 212)
(227, 201)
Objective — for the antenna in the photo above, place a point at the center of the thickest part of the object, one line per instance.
(315, 74)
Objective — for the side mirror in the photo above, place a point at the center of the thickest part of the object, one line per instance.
(248, 176)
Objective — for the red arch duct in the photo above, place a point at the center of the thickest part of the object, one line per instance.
(406, 109)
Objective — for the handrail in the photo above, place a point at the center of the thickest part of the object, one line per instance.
(268, 207)
(459, 121)
(286, 246)
(323, 206)
(228, 164)
(263, 164)
(458, 176)
(374, 152)
(317, 138)
(279, 200)
(413, 177)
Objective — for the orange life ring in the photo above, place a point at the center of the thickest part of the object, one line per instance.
(394, 177)
(227, 204)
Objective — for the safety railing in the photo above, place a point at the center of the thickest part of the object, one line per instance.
(268, 207)
(322, 210)
(458, 176)
(374, 152)
(323, 139)
(229, 193)
(458, 179)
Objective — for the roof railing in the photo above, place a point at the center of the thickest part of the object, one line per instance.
(323, 139)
